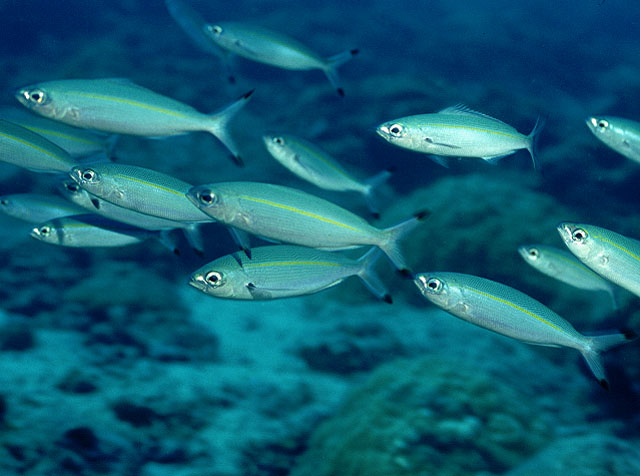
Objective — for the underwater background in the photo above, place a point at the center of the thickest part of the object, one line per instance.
(110, 364)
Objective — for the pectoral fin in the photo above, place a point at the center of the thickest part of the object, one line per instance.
(259, 292)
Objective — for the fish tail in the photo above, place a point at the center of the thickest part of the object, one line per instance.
(369, 277)
(218, 125)
(614, 298)
(111, 142)
(194, 238)
(331, 68)
(532, 138)
(393, 236)
(372, 184)
(168, 241)
(597, 344)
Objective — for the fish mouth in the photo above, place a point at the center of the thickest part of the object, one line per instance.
(198, 282)
(524, 251)
(76, 175)
(591, 121)
(22, 95)
(383, 131)
(35, 232)
(566, 230)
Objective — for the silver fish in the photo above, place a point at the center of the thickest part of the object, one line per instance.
(37, 208)
(509, 312)
(140, 189)
(311, 163)
(120, 106)
(194, 26)
(288, 215)
(77, 142)
(275, 49)
(79, 196)
(91, 231)
(563, 266)
(610, 254)
(622, 135)
(284, 271)
(458, 131)
(24, 148)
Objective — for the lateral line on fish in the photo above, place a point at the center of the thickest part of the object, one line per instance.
(130, 102)
(573, 263)
(33, 146)
(60, 134)
(636, 257)
(521, 309)
(155, 185)
(479, 129)
(297, 210)
(291, 263)
(326, 162)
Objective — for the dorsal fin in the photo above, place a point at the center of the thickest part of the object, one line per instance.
(463, 110)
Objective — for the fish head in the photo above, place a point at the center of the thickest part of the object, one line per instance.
(70, 190)
(435, 287)
(208, 199)
(578, 238)
(530, 253)
(220, 35)
(276, 144)
(213, 281)
(599, 125)
(38, 98)
(392, 131)
(88, 178)
(48, 232)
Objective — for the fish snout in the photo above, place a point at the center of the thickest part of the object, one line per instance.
(197, 281)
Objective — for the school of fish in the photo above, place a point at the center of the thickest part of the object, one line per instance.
(72, 129)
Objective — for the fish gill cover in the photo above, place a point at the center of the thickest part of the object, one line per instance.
(111, 364)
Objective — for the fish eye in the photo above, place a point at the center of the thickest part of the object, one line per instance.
(4, 201)
(278, 140)
(214, 278)
(88, 175)
(579, 235)
(396, 130)
(44, 230)
(216, 29)
(37, 96)
(534, 253)
(602, 124)
(434, 284)
(71, 186)
(207, 198)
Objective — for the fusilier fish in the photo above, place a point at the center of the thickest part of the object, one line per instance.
(458, 131)
(622, 135)
(140, 189)
(77, 142)
(24, 148)
(37, 208)
(91, 231)
(509, 312)
(563, 266)
(120, 106)
(288, 215)
(284, 271)
(314, 165)
(610, 254)
(275, 49)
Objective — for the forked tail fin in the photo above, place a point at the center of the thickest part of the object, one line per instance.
(331, 68)
(597, 344)
(369, 277)
(391, 245)
(532, 147)
(218, 125)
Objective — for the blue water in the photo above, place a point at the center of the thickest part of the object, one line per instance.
(111, 364)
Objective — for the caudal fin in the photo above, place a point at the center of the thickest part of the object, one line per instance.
(372, 184)
(533, 142)
(597, 344)
(331, 68)
(369, 276)
(218, 125)
(391, 245)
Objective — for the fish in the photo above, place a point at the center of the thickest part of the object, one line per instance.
(507, 311)
(273, 48)
(119, 106)
(311, 163)
(281, 271)
(140, 189)
(563, 266)
(288, 215)
(93, 231)
(79, 196)
(36, 207)
(193, 24)
(77, 142)
(24, 148)
(613, 256)
(622, 135)
(459, 131)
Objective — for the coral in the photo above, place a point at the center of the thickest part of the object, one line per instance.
(427, 416)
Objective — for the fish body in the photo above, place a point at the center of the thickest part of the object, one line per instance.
(289, 215)
(24, 148)
(613, 256)
(77, 142)
(37, 208)
(622, 135)
(140, 189)
(311, 163)
(458, 131)
(509, 312)
(284, 271)
(90, 230)
(120, 106)
(563, 266)
(273, 48)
